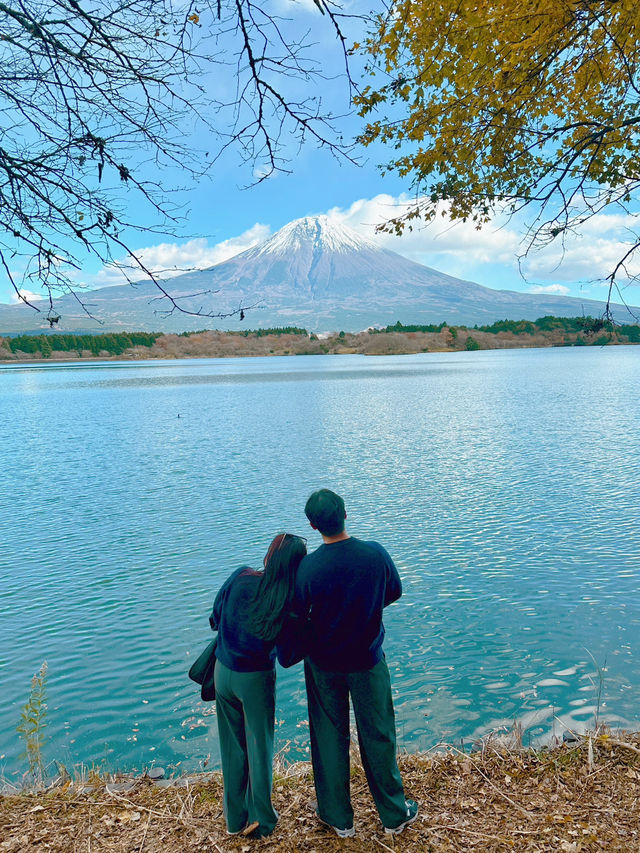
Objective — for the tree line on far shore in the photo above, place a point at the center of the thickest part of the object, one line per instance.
(526, 327)
(289, 340)
(111, 343)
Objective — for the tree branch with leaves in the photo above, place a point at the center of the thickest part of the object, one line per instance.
(496, 105)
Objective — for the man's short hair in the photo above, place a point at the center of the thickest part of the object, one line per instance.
(325, 511)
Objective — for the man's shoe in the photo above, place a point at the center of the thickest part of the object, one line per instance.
(412, 814)
(342, 833)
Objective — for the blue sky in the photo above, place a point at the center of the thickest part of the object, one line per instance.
(221, 218)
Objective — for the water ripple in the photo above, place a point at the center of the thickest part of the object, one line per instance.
(504, 487)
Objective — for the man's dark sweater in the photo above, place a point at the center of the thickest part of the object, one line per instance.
(344, 586)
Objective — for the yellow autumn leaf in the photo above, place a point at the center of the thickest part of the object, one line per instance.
(498, 100)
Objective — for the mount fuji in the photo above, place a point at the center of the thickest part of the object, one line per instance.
(312, 273)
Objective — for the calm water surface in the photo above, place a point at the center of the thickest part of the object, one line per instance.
(505, 484)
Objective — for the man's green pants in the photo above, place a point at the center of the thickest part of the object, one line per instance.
(328, 697)
(245, 707)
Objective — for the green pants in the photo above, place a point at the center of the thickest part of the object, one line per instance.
(328, 697)
(245, 708)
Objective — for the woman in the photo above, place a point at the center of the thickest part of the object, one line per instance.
(248, 614)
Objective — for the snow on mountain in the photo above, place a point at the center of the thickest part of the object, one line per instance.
(313, 273)
(315, 233)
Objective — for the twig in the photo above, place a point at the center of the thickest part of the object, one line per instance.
(484, 835)
(496, 789)
(144, 837)
(600, 769)
(183, 803)
(139, 807)
(624, 745)
(382, 844)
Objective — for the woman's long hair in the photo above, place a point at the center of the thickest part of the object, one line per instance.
(275, 590)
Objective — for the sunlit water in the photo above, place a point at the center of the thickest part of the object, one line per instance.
(505, 485)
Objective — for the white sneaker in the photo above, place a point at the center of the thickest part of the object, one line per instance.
(342, 833)
(412, 814)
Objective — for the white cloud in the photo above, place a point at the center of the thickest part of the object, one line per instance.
(558, 289)
(460, 248)
(292, 6)
(167, 260)
(263, 171)
(29, 295)
(489, 254)
(584, 257)
(461, 241)
(601, 222)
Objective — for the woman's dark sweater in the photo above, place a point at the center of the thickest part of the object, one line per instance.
(239, 649)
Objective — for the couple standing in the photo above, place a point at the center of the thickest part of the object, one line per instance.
(337, 593)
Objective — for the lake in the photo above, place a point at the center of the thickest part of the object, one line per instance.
(505, 484)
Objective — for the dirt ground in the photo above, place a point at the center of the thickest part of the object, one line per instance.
(579, 797)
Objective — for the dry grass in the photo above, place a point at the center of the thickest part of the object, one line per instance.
(578, 798)
(215, 344)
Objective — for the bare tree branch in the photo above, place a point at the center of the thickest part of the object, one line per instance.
(95, 96)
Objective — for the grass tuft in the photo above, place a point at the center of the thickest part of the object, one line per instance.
(574, 798)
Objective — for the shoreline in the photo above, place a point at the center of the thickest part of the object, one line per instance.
(135, 357)
(546, 332)
(582, 796)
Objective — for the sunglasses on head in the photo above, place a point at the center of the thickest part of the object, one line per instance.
(283, 537)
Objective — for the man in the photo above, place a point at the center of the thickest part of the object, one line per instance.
(342, 588)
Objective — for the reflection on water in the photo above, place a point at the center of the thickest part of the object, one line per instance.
(505, 485)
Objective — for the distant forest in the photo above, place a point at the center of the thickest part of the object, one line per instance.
(292, 340)
(111, 343)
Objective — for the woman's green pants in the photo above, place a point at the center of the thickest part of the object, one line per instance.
(245, 708)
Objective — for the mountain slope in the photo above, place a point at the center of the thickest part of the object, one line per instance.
(312, 273)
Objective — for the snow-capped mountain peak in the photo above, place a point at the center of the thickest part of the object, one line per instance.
(317, 274)
(321, 233)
